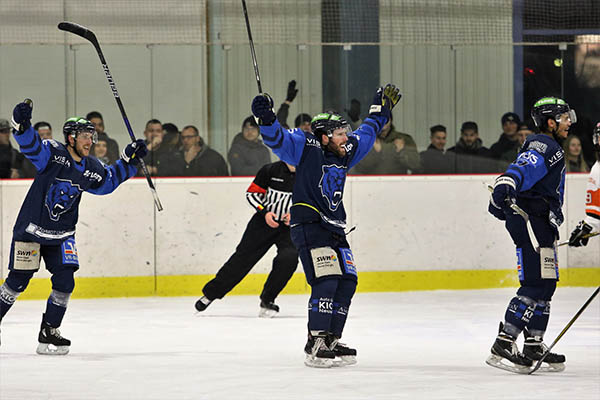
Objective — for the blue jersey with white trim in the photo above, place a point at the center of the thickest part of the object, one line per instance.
(51, 208)
(320, 174)
(539, 173)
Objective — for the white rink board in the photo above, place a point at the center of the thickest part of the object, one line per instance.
(403, 223)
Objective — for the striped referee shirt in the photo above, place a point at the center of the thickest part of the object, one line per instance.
(271, 190)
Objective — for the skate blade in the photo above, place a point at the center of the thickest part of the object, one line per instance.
(46, 349)
(344, 361)
(556, 367)
(501, 363)
(314, 362)
(267, 313)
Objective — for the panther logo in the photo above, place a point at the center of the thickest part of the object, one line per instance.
(61, 196)
(332, 185)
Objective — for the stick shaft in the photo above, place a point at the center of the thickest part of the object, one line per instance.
(256, 73)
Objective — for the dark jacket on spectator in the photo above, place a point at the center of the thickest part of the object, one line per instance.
(246, 157)
(9, 159)
(207, 162)
(434, 161)
(505, 149)
(471, 160)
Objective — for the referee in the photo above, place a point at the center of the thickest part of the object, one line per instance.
(270, 194)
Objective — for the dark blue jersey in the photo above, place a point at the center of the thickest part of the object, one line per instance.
(539, 174)
(320, 174)
(51, 208)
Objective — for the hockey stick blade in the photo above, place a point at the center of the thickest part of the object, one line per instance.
(77, 30)
(565, 329)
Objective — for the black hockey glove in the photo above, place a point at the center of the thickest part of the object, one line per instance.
(578, 235)
(291, 91)
(384, 101)
(21, 119)
(262, 108)
(134, 151)
(505, 193)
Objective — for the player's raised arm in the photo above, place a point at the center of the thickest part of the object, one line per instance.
(286, 144)
(29, 141)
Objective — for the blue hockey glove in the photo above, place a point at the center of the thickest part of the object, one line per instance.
(384, 101)
(134, 151)
(505, 193)
(496, 211)
(262, 108)
(578, 235)
(21, 119)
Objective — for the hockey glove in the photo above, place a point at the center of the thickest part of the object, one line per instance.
(291, 91)
(578, 235)
(505, 193)
(556, 219)
(21, 119)
(262, 108)
(134, 151)
(384, 101)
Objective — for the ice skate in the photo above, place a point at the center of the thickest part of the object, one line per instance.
(505, 354)
(534, 349)
(318, 355)
(345, 354)
(202, 303)
(268, 309)
(51, 342)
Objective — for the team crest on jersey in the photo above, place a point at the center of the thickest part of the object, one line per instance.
(60, 197)
(332, 185)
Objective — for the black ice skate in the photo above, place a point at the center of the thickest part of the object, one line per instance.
(505, 354)
(51, 342)
(318, 355)
(534, 349)
(202, 303)
(268, 309)
(345, 354)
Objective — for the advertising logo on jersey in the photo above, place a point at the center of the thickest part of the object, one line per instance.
(332, 185)
(60, 197)
(69, 252)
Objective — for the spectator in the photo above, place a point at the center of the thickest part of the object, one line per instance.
(171, 137)
(113, 147)
(574, 155)
(469, 156)
(302, 122)
(434, 160)
(194, 158)
(393, 153)
(507, 147)
(101, 150)
(284, 108)
(9, 157)
(525, 129)
(248, 153)
(354, 114)
(156, 153)
(44, 129)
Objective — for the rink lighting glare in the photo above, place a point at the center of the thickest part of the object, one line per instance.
(558, 62)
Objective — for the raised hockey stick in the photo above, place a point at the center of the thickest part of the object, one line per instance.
(589, 235)
(256, 73)
(90, 36)
(525, 216)
(562, 333)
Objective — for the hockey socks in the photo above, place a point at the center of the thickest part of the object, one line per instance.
(320, 306)
(7, 299)
(56, 307)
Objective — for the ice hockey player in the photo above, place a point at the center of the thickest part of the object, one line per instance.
(45, 226)
(591, 222)
(534, 182)
(322, 159)
(270, 194)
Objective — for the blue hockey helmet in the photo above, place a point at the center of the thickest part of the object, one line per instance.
(326, 123)
(551, 108)
(76, 125)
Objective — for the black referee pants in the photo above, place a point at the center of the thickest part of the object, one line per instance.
(256, 241)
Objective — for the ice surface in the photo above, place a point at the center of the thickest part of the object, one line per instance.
(411, 345)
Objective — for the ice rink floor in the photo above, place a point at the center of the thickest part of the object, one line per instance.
(411, 345)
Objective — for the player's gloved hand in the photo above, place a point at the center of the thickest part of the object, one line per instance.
(134, 151)
(21, 119)
(384, 101)
(578, 235)
(291, 91)
(262, 108)
(505, 193)
(354, 111)
(556, 219)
